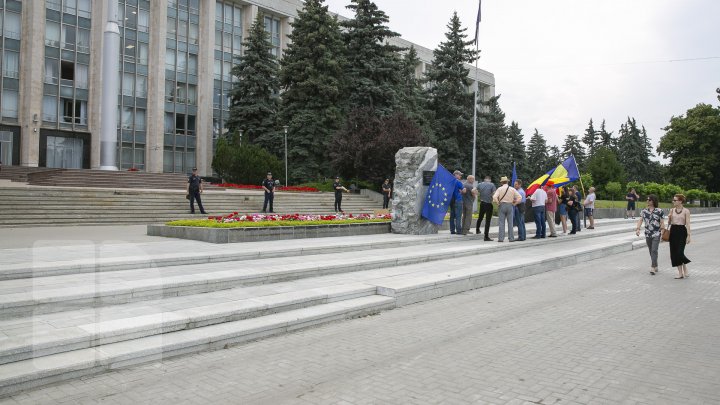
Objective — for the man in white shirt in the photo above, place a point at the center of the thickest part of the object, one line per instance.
(590, 207)
(538, 198)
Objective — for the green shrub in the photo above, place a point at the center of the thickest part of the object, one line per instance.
(244, 163)
(614, 190)
(639, 187)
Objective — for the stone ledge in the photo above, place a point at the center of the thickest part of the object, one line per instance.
(236, 235)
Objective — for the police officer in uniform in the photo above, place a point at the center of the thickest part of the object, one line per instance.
(387, 191)
(269, 186)
(339, 188)
(194, 189)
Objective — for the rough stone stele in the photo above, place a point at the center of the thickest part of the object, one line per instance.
(409, 191)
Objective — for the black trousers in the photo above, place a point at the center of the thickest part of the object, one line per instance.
(338, 202)
(269, 197)
(386, 201)
(195, 195)
(486, 210)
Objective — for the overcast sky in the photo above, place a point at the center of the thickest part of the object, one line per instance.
(558, 63)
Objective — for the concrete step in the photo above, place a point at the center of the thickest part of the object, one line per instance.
(34, 372)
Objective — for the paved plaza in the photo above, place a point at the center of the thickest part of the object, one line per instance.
(600, 332)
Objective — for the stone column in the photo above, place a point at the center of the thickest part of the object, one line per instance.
(409, 191)
(250, 13)
(95, 87)
(156, 88)
(32, 54)
(204, 130)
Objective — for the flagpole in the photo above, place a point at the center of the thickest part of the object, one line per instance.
(477, 86)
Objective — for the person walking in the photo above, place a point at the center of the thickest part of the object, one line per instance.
(550, 209)
(468, 201)
(387, 191)
(589, 204)
(269, 186)
(562, 208)
(539, 198)
(456, 204)
(519, 211)
(194, 189)
(339, 188)
(573, 208)
(485, 191)
(631, 197)
(506, 197)
(679, 220)
(652, 217)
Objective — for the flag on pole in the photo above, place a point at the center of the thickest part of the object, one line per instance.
(477, 23)
(514, 175)
(439, 194)
(561, 175)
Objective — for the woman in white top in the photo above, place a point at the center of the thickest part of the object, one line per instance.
(679, 220)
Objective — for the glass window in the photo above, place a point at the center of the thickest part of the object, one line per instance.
(131, 17)
(170, 59)
(169, 90)
(9, 104)
(218, 40)
(171, 28)
(81, 112)
(181, 92)
(237, 18)
(227, 42)
(139, 119)
(49, 112)
(140, 86)
(192, 94)
(218, 11)
(217, 69)
(52, 34)
(142, 53)
(11, 27)
(228, 14)
(129, 50)
(11, 64)
(84, 8)
(70, 6)
(143, 20)
(128, 85)
(169, 124)
(54, 4)
(52, 71)
(68, 37)
(81, 76)
(127, 118)
(182, 31)
(193, 34)
(192, 64)
(237, 45)
(83, 40)
(227, 71)
(181, 62)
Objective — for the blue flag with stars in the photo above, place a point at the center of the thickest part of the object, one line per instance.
(438, 196)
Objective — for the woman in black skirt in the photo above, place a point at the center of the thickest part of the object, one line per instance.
(679, 219)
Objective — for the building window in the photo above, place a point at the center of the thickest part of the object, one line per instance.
(9, 104)
(11, 25)
(272, 26)
(49, 112)
(11, 64)
(52, 34)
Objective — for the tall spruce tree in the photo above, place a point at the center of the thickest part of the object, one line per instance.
(554, 156)
(450, 102)
(605, 138)
(373, 66)
(538, 158)
(413, 99)
(312, 78)
(632, 151)
(516, 148)
(254, 96)
(492, 141)
(572, 146)
(590, 139)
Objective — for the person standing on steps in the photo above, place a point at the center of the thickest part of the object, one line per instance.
(456, 204)
(194, 189)
(339, 188)
(550, 208)
(507, 198)
(631, 197)
(469, 196)
(269, 186)
(589, 204)
(387, 192)
(652, 217)
(486, 189)
(519, 211)
(539, 198)
(679, 220)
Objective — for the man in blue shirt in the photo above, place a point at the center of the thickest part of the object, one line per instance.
(456, 204)
(519, 214)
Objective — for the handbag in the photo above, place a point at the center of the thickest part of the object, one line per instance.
(187, 196)
(665, 234)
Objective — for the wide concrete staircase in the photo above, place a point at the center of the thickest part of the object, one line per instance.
(48, 206)
(62, 319)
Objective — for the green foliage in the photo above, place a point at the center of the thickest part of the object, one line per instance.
(632, 151)
(604, 167)
(572, 146)
(516, 151)
(414, 101)
(209, 223)
(586, 179)
(614, 190)
(639, 187)
(671, 190)
(714, 197)
(243, 163)
(450, 102)
(590, 139)
(605, 138)
(492, 147)
(365, 148)
(254, 100)
(312, 78)
(694, 194)
(373, 67)
(653, 188)
(692, 143)
(538, 159)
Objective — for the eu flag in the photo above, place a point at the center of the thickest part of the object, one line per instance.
(438, 196)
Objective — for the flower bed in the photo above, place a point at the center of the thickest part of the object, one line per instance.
(236, 220)
(279, 188)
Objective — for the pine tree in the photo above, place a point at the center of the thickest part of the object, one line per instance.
(373, 66)
(450, 102)
(414, 102)
(572, 146)
(492, 141)
(254, 96)
(554, 156)
(605, 138)
(312, 78)
(632, 151)
(538, 159)
(516, 148)
(590, 139)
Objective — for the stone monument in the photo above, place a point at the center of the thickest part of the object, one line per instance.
(409, 191)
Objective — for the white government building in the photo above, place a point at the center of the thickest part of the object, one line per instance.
(174, 66)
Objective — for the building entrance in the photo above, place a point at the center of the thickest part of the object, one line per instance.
(64, 153)
(6, 147)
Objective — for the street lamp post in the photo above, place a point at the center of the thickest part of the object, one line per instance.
(285, 127)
